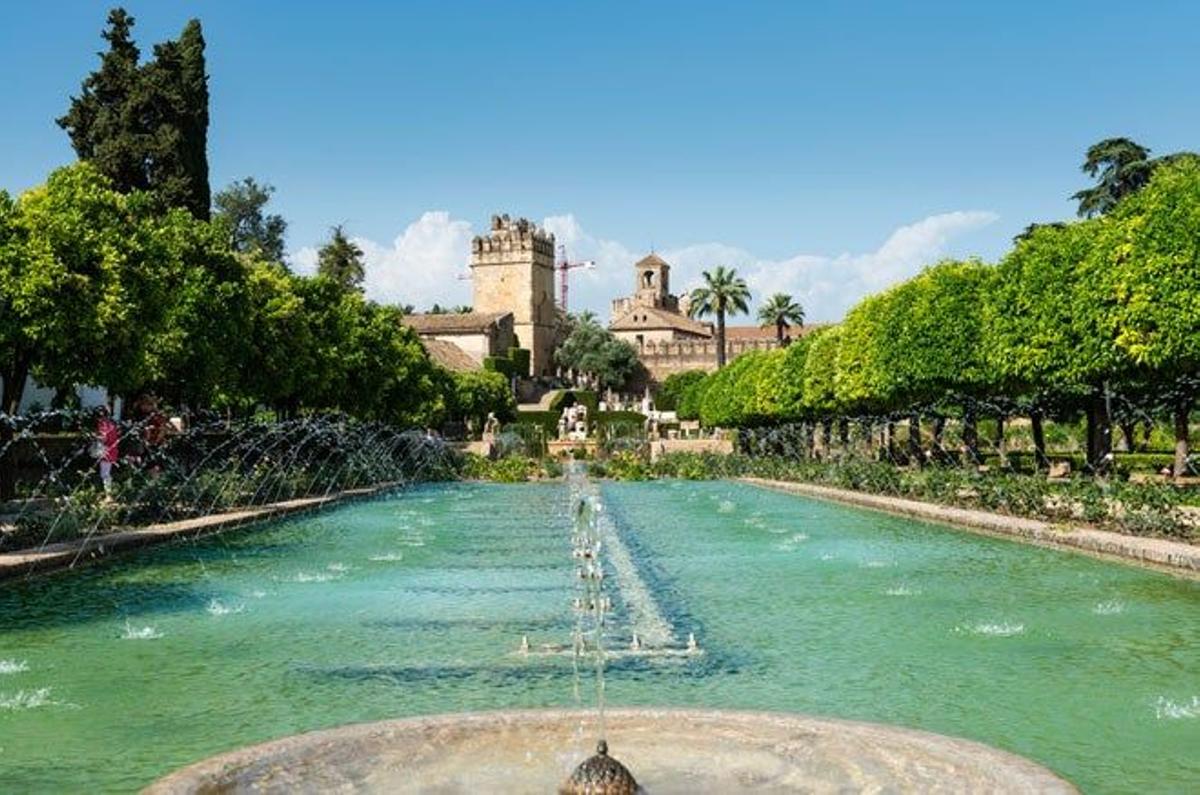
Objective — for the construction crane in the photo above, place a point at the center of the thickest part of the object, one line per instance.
(565, 266)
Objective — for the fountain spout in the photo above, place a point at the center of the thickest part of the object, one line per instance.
(600, 774)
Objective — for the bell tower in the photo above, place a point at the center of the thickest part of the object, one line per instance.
(653, 286)
(512, 270)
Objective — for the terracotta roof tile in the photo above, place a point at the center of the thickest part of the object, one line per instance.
(461, 323)
(656, 318)
(768, 332)
(450, 356)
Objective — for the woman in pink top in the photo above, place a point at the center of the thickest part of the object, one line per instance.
(108, 438)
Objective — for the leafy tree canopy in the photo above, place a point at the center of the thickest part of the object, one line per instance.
(591, 348)
(341, 261)
(241, 212)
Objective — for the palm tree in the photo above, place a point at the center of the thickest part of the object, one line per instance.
(781, 312)
(1120, 166)
(724, 292)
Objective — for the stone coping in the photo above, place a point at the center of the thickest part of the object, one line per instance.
(69, 554)
(1174, 557)
(669, 751)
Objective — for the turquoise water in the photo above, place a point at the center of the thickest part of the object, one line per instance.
(112, 676)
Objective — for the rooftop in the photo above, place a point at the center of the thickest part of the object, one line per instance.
(460, 323)
(768, 332)
(648, 317)
(450, 356)
(651, 260)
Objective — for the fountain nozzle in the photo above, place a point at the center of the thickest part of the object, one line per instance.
(600, 774)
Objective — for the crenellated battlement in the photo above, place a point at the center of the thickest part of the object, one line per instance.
(662, 358)
(512, 270)
(509, 235)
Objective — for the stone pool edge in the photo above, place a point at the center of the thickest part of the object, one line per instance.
(66, 555)
(1172, 557)
(287, 763)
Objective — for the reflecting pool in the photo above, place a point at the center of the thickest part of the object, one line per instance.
(115, 675)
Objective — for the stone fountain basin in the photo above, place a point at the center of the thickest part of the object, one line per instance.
(669, 751)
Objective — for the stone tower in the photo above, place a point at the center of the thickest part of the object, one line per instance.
(653, 286)
(512, 270)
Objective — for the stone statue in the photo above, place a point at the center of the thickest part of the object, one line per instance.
(491, 428)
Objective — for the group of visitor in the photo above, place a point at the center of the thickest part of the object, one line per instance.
(154, 429)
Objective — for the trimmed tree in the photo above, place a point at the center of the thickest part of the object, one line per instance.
(1147, 267)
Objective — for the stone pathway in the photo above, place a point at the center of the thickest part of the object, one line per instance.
(1176, 557)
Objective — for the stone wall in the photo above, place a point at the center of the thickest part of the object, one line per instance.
(495, 341)
(662, 359)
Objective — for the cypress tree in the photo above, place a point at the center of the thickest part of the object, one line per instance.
(146, 127)
(102, 121)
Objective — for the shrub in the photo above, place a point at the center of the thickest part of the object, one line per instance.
(499, 364)
(569, 397)
(670, 393)
(520, 361)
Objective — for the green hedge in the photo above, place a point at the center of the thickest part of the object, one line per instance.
(520, 361)
(585, 396)
(499, 364)
(548, 420)
(674, 387)
(1125, 463)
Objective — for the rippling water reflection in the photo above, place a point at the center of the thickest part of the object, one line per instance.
(417, 604)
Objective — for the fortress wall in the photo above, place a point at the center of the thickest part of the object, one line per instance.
(662, 359)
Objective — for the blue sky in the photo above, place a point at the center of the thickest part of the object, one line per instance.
(823, 148)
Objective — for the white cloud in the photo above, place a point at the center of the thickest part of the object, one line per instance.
(422, 265)
(826, 285)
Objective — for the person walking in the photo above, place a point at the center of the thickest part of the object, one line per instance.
(108, 440)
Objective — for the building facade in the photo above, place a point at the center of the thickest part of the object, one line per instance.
(512, 270)
(656, 323)
(461, 341)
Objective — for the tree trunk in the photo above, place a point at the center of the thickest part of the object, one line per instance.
(1182, 412)
(810, 441)
(939, 429)
(779, 332)
(890, 435)
(844, 434)
(1040, 461)
(14, 385)
(10, 402)
(720, 338)
(998, 442)
(915, 451)
(1129, 436)
(1099, 434)
(970, 434)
